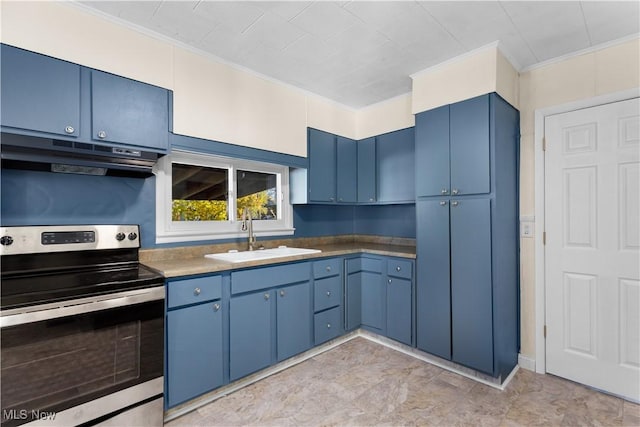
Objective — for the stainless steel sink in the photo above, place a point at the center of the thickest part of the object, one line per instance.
(279, 252)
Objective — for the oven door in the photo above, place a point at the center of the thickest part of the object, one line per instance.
(80, 362)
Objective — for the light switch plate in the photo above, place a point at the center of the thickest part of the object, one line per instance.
(527, 226)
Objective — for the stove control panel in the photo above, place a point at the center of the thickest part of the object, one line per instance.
(60, 238)
(64, 237)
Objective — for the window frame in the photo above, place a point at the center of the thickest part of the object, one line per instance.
(169, 231)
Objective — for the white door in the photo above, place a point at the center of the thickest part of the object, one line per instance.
(592, 252)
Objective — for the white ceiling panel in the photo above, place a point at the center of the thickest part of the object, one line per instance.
(179, 21)
(274, 31)
(606, 22)
(324, 19)
(362, 52)
(550, 29)
(378, 14)
(285, 9)
(237, 16)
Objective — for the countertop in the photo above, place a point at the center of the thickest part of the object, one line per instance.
(185, 261)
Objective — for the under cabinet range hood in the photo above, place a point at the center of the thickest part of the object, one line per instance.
(51, 155)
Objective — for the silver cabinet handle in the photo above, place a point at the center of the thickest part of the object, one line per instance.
(282, 293)
(328, 268)
(398, 268)
(389, 281)
(196, 291)
(328, 293)
(454, 191)
(454, 203)
(331, 199)
(444, 191)
(216, 307)
(328, 325)
(371, 199)
(69, 129)
(266, 296)
(443, 203)
(102, 134)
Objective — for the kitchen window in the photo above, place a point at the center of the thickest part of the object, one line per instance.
(202, 197)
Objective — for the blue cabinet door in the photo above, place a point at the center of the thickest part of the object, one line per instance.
(373, 300)
(194, 352)
(129, 112)
(367, 170)
(294, 320)
(432, 152)
(471, 288)
(395, 166)
(433, 292)
(39, 93)
(469, 146)
(250, 333)
(322, 166)
(347, 167)
(399, 309)
(354, 301)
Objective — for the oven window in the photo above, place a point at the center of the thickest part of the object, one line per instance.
(56, 364)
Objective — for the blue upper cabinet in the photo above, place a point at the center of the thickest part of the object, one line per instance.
(50, 98)
(452, 149)
(432, 152)
(347, 167)
(128, 112)
(322, 166)
(367, 170)
(469, 146)
(395, 165)
(39, 93)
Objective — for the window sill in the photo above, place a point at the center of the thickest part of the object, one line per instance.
(195, 236)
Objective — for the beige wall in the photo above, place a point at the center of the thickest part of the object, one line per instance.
(582, 77)
(217, 102)
(473, 74)
(392, 114)
(329, 116)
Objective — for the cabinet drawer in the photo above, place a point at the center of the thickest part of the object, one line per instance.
(327, 325)
(326, 268)
(364, 264)
(268, 277)
(191, 291)
(327, 293)
(399, 268)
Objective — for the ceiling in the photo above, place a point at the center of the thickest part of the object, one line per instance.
(361, 52)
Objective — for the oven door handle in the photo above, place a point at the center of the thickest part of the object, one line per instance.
(79, 306)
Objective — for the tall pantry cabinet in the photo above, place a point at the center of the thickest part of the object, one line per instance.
(467, 233)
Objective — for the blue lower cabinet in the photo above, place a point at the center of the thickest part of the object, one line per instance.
(399, 309)
(327, 325)
(250, 332)
(433, 293)
(294, 317)
(353, 312)
(373, 300)
(194, 351)
(471, 284)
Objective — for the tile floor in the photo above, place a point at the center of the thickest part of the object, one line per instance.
(362, 383)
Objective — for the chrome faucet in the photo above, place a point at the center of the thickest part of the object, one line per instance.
(247, 225)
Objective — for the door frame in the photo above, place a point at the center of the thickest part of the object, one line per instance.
(539, 224)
